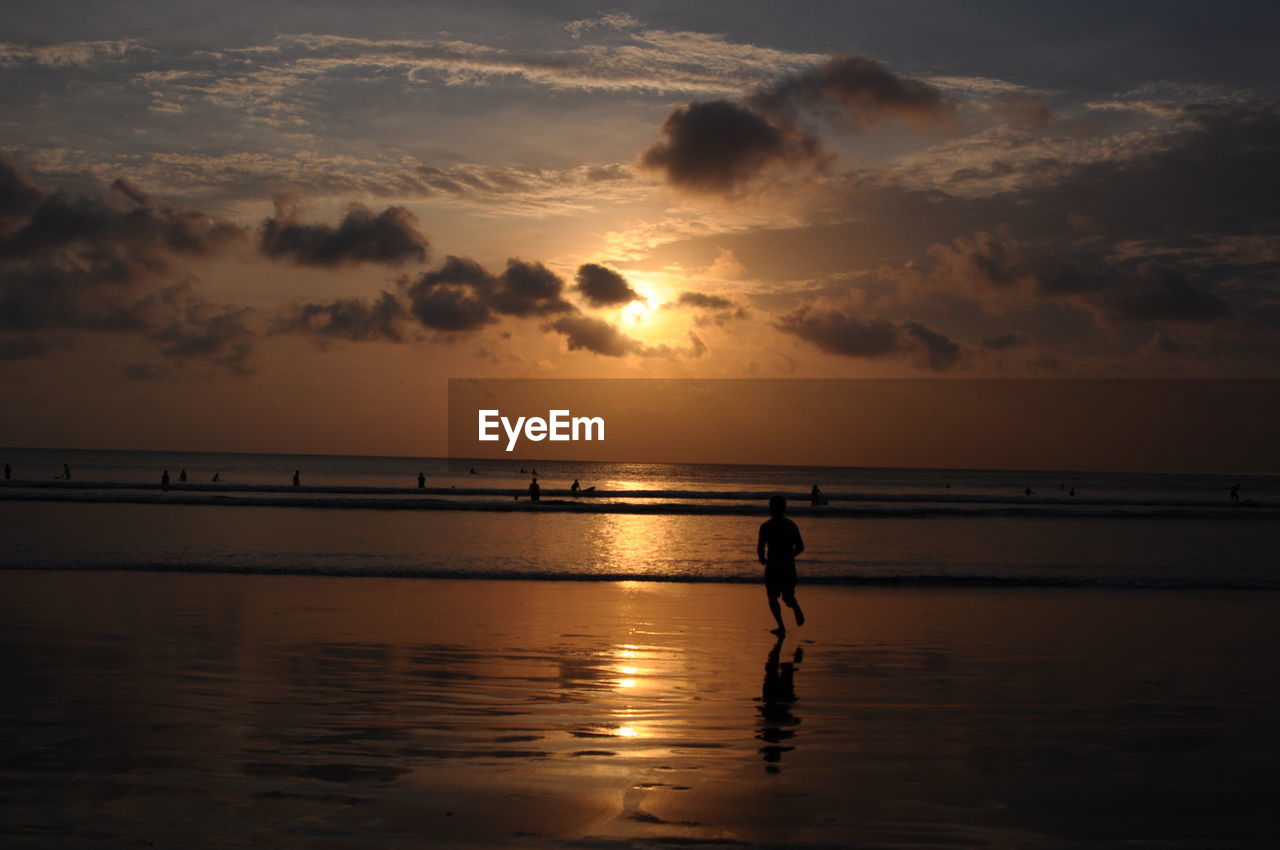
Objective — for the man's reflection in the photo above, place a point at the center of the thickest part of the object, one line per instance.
(777, 695)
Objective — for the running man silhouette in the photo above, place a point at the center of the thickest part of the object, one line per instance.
(777, 547)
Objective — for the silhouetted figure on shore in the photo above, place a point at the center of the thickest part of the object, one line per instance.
(947, 485)
(1235, 493)
(296, 479)
(777, 547)
(576, 486)
(422, 480)
(182, 477)
(217, 477)
(66, 472)
(1073, 492)
(164, 480)
(1027, 492)
(535, 492)
(777, 695)
(816, 497)
(473, 471)
(8, 473)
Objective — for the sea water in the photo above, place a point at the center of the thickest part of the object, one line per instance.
(675, 522)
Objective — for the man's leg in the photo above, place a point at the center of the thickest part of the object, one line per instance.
(794, 606)
(776, 611)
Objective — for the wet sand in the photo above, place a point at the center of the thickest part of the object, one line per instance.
(207, 710)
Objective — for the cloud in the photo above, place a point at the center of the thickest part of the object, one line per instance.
(1003, 342)
(453, 297)
(113, 262)
(390, 237)
(836, 332)
(350, 319)
(596, 335)
(71, 53)
(600, 337)
(717, 146)
(857, 90)
(715, 309)
(463, 296)
(604, 287)
(1120, 289)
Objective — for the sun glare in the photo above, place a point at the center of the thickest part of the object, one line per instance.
(637, 311)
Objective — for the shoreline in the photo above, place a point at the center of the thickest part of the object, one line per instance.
(887, 582)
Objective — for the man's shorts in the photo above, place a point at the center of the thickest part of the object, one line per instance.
(780, 580)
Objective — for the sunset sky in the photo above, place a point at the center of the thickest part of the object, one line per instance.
(282, 227)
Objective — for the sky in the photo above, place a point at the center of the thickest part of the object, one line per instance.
(283, 227)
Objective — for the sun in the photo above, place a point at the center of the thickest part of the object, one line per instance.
(637, 311)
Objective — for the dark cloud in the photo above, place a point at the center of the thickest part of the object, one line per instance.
(351, 319)
(940, 352)
(112, 262)
(837, 332)
(21, 346)
(603, 287)
(390, 237)
(584, 332)
(860, 90)
(704, 301)
(717, 146)
(463, 296)
(529, 289)
(1014, 339)
(714, 146)
(714, 309)
(1123, 290)
(600, 337)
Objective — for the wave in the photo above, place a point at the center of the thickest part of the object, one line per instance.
(699, 503)
(922, 580)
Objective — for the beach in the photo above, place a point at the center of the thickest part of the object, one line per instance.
(194, 710)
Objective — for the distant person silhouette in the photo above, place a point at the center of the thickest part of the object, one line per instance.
(947, 485)
(8, 473)
(576, 486)
(777, 696)
(182, 477)
(216, 477)
(1027, 492)
(66, 472)
(816, 497)
(422, 481)
(777, 547)
(473, 471)
(164, 480)
(1235, 493)
(1073, 492)
(535, 492)
(296, 479)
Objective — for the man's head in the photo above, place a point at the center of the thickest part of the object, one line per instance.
(777, 506)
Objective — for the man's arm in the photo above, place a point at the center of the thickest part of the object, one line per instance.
(798, 543)
(760, 546)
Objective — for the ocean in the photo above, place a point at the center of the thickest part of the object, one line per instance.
(367, 516)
